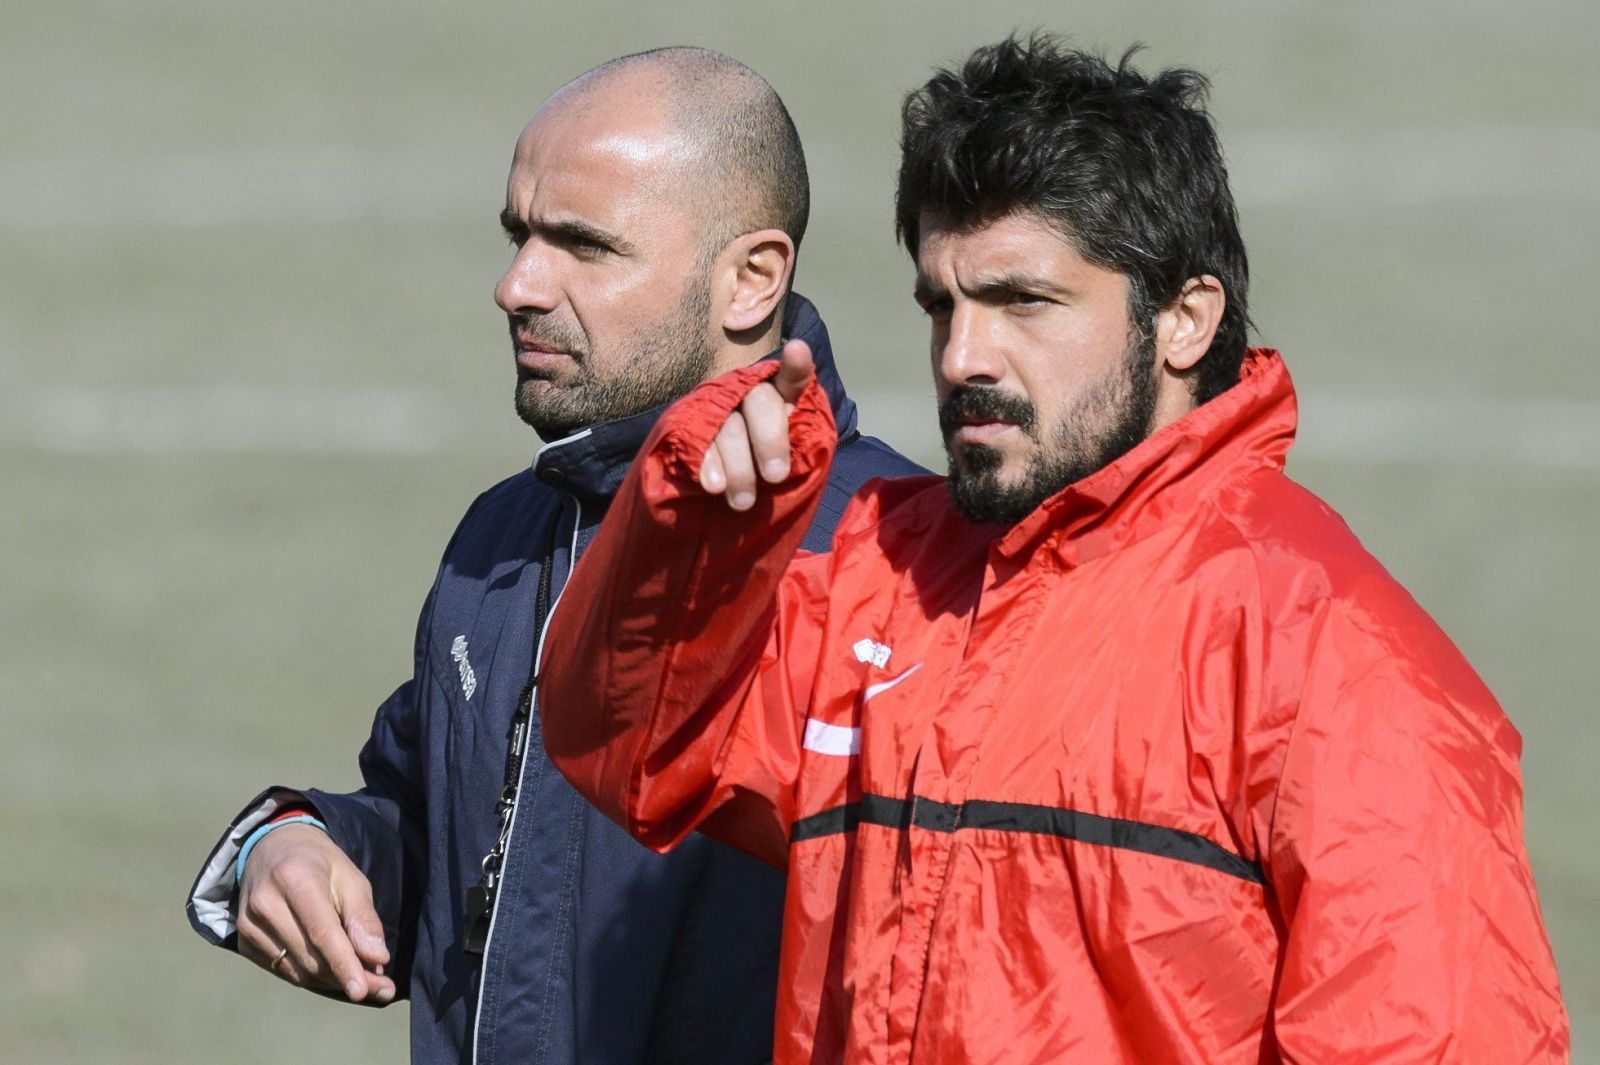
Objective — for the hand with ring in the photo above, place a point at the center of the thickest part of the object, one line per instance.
(306, 916)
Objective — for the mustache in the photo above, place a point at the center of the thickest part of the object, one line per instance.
(984, 403)
(548, 332)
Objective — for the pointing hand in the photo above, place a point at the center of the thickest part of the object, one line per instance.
(754, 441)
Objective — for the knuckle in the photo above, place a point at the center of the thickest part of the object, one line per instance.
(281, 874)
(319, 930)
(293, 878)
(772, 433)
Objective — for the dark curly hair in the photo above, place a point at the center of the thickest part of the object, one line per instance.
(1125, 166)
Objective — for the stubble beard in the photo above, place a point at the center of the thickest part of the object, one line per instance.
(1110, 419)
(656, 363)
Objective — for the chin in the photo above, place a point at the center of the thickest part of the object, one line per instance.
(544, 417)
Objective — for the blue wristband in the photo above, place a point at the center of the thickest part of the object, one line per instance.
(259, 834)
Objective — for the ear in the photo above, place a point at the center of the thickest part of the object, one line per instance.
(1185, 326)
(752, 278)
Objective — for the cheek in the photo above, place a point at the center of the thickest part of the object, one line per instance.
(609, 300)
(1059, 355)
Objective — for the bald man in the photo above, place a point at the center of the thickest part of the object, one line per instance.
(656, 204)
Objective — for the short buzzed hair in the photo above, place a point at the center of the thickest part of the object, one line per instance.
(757, 177)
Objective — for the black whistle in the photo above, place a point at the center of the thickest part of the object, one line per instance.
(479, 905)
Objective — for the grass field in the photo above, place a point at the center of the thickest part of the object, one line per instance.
(250, 376)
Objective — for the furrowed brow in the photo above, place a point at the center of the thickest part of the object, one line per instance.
(576, 229)
(562, 231)
(1012, 282)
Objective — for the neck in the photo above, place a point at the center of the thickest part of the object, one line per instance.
(1174, 399)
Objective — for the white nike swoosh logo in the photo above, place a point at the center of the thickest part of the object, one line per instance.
(832, 739)
(843, 739)
(874, 690)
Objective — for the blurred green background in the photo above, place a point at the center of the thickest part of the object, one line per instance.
(250, 377)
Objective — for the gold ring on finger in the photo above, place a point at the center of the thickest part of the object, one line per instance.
(278, 959)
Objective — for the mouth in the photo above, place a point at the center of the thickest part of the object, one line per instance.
(983, 416)
(538, 356)
(976, 429)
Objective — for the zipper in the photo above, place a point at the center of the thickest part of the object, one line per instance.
(522, 770)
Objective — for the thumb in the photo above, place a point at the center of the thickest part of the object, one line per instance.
(794, 370)
(362, 925)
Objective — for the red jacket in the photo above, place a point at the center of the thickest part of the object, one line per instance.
(1170, 771)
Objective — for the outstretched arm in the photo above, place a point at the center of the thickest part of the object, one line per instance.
(679, 658)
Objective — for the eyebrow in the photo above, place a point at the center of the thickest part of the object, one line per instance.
(1015, 281)
(563, 230)
(1000, 284)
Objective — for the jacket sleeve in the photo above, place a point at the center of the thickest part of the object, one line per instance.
(1413, 931)
(380, 827)
(679, 658)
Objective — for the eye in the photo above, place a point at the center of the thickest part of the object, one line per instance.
(935, 306)
(1021, 298)
(582, 244)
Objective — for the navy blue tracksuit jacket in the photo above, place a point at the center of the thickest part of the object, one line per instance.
(599, 951)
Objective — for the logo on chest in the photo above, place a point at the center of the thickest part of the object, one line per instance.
(872, 652)
(845, 740)
(469, 679)
(877, 654)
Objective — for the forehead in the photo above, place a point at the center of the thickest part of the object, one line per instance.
(1018, 243)
(611, 161)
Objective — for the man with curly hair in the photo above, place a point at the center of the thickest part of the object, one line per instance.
(1112, 746)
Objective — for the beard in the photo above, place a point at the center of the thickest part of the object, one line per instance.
(654, 364)
(1107, 421)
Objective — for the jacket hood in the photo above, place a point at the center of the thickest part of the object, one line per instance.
(592, 462)
(1248, 427)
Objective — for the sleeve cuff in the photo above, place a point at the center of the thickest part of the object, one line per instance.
(213, 901)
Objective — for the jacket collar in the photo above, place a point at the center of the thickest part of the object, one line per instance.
(592, 462)
(1247, 428)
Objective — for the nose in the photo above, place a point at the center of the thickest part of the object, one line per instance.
(966, 352)
(530, 284)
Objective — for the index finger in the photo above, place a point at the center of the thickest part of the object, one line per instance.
(794, 371)
(326, 933)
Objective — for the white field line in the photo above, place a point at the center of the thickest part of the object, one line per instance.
(1550, 433)
(1440, 164)
(208, 189)
(1540, 433)
(225, 418)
